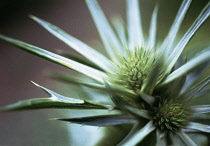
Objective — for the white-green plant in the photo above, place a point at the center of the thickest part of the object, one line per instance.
(147, 83)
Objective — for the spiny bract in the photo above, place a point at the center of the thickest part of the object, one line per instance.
(150, 85)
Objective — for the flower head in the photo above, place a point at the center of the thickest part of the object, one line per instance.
(151, 84)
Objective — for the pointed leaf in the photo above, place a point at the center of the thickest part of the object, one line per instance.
(192, 64)
(118, 101)
(75, 80)
(121, 103)
(91, 54)
(201, 93)
(120, 28)
(161, 138)
(189, 94)
(83, 69)
(152, 79)
(169, 40)
(199, 117)
(200, 109)
(189, 130)
(138, 112)
(147, 98)
(199, 127)
(194, 75)
(153, 27)
(54, 101)
(107, 35)
(186, 139)
(174, 138)
(78, 58)
(105, 120)
(174, 55)
(138, 134)
(135, 33)
(175, 87)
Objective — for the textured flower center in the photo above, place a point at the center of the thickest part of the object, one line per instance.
(170, 115)
(134, 68)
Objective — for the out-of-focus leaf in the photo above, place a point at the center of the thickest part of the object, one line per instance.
(75, 80)
(54, 101)
(194, 75)
(120, 28)
(112, 135)
(105, 120)
(190, 94)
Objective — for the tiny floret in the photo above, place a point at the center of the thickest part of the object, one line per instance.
(170, 114)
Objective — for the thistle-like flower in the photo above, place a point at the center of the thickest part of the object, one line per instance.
(150, 84)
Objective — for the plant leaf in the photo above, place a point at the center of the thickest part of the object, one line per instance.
(147, 98)
(174, 138)
(54, 101)
(111, 42)
(161, 138)
(186, 139)
(105, 120)
(135, 33)
(152, 79)
(120, 28)
(137, 134)
(202, 93)
(194, 75)
(153, 27)
(124, 105)
(83, 69)
(190, 94)
(200, 109)
(138, 112)
(75, 80)
(174, 55)
(91, 54)
(192, 64)
(199, 127)
(118, 101)
(78, 58)
(169, 40)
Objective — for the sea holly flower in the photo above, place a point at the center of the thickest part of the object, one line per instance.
(150, 84)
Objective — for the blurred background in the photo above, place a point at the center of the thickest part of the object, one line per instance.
(18, 68)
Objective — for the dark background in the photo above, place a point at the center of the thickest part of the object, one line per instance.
(18, 67)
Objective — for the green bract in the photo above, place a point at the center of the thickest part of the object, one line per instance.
(150, 83)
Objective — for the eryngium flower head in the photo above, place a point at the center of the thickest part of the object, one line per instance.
(151, 84)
